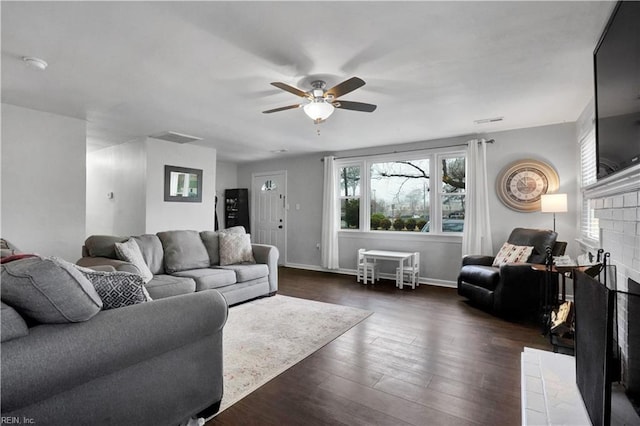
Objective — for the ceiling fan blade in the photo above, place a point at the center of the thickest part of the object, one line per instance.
(289, 89)
(345, 87)
(355, 106)
(282, 108)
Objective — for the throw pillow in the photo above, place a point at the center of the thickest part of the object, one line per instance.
(235, 248)
(510, 253)
(183, 250)
(212, 243)
(117, 289)
(49, 290)
(129, 251)
(234, 230)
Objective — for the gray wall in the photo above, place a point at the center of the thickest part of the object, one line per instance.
(119, 170)
(134, 173)
(43, 182)
(440, 255)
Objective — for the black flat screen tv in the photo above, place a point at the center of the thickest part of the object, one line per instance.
(617, 91)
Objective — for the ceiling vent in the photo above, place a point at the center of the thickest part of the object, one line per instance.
(488, 120)
(175, 137)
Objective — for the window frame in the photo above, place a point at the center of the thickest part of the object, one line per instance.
(435, 175)
(589, 224)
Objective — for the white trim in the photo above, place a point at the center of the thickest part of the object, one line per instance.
(402, 236)
(627, 180)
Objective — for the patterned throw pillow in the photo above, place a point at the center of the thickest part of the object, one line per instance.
(512, 254)
(117, 289)
(235, 248)
(129, 251)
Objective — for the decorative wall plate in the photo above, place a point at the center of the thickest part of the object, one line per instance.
(521, 183)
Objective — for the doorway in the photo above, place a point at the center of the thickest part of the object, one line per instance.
(269, 212)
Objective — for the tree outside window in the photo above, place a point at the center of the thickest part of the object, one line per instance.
(452, 194)
(350, 197)
(400, 195)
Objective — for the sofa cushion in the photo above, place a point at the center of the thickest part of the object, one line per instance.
(248, 272)
(183, 250)
(13, 326)
(129, 251)
(117, 289)
(209, 278)
(235, 248)
(49, 290)
(510, 253)
(103, 245)
(162, 286)
(152, 252)
(211, 241)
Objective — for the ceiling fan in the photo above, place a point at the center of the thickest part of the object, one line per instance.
(322, 102)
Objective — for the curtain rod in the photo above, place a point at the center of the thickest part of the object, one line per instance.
(409, 150)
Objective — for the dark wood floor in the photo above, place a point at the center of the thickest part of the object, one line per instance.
(425, 357)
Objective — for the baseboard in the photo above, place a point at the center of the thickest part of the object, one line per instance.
(423, 280)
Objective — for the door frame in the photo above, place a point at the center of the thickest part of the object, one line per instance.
(260, 175)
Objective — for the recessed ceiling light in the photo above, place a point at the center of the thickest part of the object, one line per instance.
(488, 120)
(35, 63)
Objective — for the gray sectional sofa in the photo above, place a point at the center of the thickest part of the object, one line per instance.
(188, 261)
(76, 351)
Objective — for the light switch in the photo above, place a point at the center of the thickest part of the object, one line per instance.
(297, 206)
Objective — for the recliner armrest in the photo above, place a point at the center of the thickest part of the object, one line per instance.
(477, 259)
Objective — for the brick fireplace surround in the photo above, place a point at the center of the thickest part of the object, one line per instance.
(616, 202)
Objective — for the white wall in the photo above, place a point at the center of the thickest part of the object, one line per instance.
(226, 178)
(120, 170)
(43, 182)
(440, 255)
(164, 215)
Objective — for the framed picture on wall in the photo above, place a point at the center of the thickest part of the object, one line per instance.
(182, 184)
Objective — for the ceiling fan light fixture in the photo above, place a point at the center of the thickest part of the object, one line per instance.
(318, 110)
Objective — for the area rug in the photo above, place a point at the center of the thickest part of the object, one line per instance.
(265, 337)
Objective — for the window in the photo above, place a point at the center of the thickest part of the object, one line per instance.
(452, 193)
(349, 197)
(589, 225)
(397, 196)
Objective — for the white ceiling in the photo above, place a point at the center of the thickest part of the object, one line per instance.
(133, 69)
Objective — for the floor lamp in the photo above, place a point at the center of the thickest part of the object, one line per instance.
(553, 203)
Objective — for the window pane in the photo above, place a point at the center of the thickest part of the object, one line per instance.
(453, 209)
(350, 181)
(453, 174)
(400, 195)
(350, 213)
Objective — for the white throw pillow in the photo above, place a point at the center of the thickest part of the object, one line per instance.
(129, 251)
(510, 253)
(235, 248)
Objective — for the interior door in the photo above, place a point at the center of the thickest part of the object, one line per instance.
(270, 210)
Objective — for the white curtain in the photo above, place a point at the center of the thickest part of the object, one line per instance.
(476, 238)
(330, 216)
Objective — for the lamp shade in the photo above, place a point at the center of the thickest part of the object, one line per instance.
(318, 110)
(553, 203)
